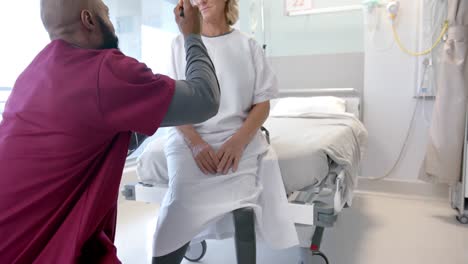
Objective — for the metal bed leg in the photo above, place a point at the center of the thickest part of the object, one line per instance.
(313, 253)
(244, 224)
(462, 192)
(317, 242)
(246, 251)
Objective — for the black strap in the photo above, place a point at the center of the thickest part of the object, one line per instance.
(267, 133)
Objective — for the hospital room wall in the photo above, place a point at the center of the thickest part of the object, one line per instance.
(288, 36)
(329, 47)
(390, 81)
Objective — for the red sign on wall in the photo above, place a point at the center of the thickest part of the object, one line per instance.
(298, 5)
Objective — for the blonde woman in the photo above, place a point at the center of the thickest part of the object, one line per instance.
(213, 166)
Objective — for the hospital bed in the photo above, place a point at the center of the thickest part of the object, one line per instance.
(319, 156)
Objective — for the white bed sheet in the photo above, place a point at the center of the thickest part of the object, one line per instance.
(305, 146)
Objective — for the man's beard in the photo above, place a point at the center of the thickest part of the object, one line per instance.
(111, 41)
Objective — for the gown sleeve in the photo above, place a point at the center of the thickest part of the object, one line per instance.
(266, 83)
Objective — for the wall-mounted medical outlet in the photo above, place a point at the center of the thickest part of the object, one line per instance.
(393, 7)
(426, 80)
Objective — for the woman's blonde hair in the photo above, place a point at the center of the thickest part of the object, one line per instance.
(232, 11)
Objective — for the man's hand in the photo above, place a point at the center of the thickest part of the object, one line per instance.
(187, 18)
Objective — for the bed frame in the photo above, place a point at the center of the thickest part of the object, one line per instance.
(459, 192)
(313, 209)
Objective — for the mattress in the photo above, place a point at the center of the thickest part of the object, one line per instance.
(302, 161)
(306, 146)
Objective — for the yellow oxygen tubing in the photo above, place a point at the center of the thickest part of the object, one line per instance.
(417, 54)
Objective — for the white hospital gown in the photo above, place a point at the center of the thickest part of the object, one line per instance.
(198, 206)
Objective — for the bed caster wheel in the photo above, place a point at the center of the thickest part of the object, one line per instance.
(316, 258)
(462, 219)
(196, 252)
(313, 257)
(319, 254)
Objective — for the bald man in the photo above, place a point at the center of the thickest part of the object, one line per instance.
(66, 129)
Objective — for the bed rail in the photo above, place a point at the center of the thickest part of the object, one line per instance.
(339, 92)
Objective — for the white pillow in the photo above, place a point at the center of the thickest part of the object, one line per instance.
(297, 106)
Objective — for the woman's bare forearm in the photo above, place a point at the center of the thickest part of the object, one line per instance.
(190, 134)
(255, 120)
